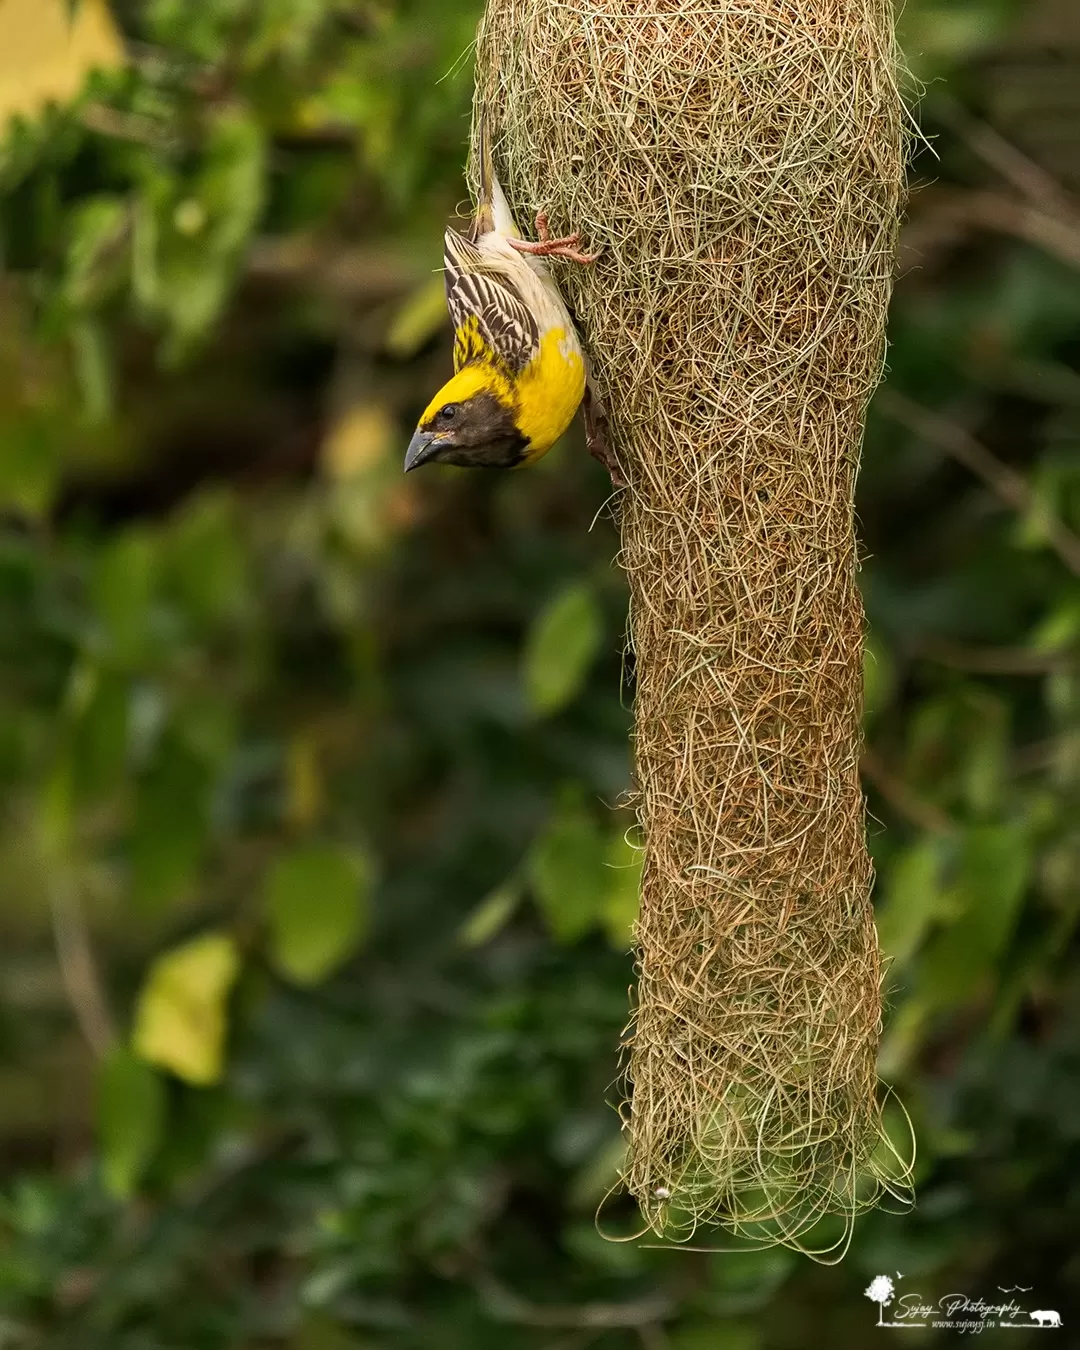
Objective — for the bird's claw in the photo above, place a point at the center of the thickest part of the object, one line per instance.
(596, 437)
(564, 247)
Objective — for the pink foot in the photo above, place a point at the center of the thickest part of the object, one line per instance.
(547, 247)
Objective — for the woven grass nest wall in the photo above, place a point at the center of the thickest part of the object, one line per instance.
(739, 168)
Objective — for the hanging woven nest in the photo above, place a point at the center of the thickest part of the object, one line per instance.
(739, 167)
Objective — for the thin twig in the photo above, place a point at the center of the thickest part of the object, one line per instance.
(999, 154)
(997, 660)
(954, 213)
(1011, 487)
(900, 797)
(370, 274)
(1056, 234)
(78, 968)
(1049, 217)
(124, 126)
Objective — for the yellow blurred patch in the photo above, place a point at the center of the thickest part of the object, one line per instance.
(180, 1019)
(304, 782)
(46, 52)
(358, 441)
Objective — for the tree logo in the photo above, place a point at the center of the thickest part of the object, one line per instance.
(880, 1291)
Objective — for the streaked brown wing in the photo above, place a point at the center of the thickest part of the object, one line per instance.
(482, 302)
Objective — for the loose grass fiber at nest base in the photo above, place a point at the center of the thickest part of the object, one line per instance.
(739, 167)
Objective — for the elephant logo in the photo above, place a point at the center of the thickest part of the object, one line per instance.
(1046, 1317)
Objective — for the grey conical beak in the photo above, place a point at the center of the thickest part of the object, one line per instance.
(421, 448)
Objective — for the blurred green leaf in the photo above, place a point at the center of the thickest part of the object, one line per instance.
(420, 317)
(99, 226)
(54, 810)
(599, 1174)
(911, 900)
(231, 185)
(621, 901)
(189, 233)
(100, 737)
(203, 560)
(170, 826)
(567, 873)
(123, 594)
(93, 368)
(879, 677)
(560, 648)
(180, 1016)
(986, 769)
(131, 1119)
(995, 866)
(317, 900)
(491, 915)
(30, 465)
(1060, 629)
(903, 1036)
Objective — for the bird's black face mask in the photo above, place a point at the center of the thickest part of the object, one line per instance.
(477, 434)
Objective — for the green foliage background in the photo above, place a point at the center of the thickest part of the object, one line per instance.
(314, 888)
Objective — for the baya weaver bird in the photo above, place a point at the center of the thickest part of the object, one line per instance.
(519, 372)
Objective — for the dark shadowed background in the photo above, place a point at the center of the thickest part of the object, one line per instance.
(314, 895)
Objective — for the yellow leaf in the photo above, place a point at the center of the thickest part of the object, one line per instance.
(46, 54)
(180, 1018)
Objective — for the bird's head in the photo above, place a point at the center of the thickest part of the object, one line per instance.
(470, 422)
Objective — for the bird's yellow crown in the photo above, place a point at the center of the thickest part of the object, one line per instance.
(479, 378)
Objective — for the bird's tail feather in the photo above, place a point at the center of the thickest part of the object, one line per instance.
(493, 210)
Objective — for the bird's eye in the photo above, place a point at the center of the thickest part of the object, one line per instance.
(448, 413)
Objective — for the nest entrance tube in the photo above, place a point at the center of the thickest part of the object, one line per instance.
(739, 167)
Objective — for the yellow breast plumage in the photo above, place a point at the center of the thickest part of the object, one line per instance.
(549, 391)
